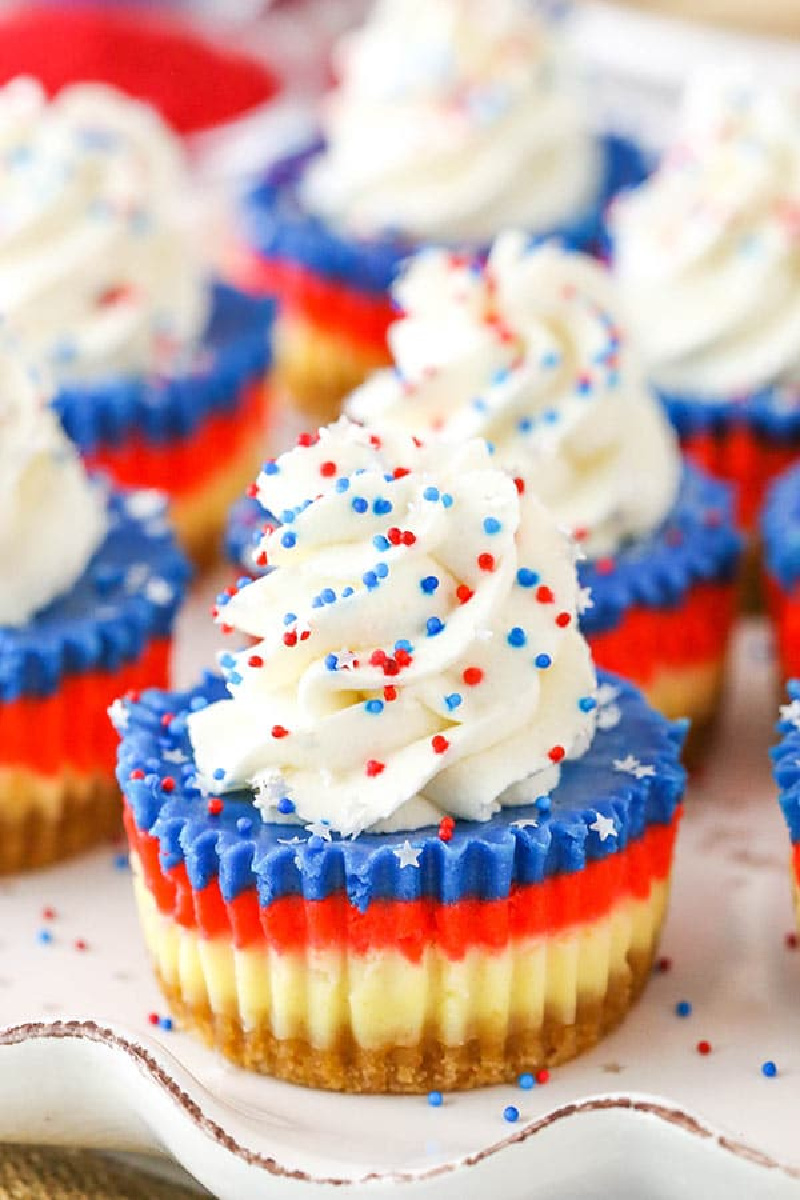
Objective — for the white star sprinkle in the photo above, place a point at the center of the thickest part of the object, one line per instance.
(270, 787)
(345, 659)
(174, 756)
(118, 716)
(145, 503)
(609, 716)
(158, 591)
(632, 766)
(295, 841)
(408, 855)
(137, 577)
(791, 713)
(585, 601)
(525, 823)
(319, 829)
(604, 827)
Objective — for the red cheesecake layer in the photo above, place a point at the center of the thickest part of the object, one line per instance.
(409, 926)
(741, 458)
(183, 465)
(71, 728)
(649, 639)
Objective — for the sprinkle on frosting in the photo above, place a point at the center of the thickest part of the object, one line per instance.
(535, 334)
(402, 705)
(452, 120)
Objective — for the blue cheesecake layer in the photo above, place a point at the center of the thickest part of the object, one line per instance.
(519, 845)
(698, 543)
(780, 529)
(277, 225)
(236, 351)
(128, 595)
(772, 414)
(786, 760)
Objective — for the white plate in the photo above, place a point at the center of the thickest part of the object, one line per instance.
(79, 1062)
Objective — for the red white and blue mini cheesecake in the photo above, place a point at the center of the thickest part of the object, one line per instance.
(452, 120)
(527, 350)
(160, 374)
(786, 768)
(707, 260)
(405, 841)
(91, 582)
(780, 544)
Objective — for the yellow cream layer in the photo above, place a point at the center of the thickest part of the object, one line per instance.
(318, 368)
(687, 691)
(384, 1000)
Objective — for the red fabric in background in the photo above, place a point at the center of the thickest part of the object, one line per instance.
(195, 84)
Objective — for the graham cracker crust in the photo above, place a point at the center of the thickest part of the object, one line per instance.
(318, 369)
(44, 820)
(406, 1070)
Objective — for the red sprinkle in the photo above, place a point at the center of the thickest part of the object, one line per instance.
(391, 667)
(400, 472)
(556, 753)
(664, 964)
(168, 784)
(81, 944)
(48, 914)
(167, 718)
(290, 637)
(704, 1047)
(152, 1018)
(226, 628)
(279, 731)
(439, 744)
(306, 439)
(374, 767)
(214, 806)
(390, 692)
(327, 469)
(403, 658)
(463, 593)
(132, 697)
(377, 658)
(255, 660)
(563, 619)
(472, 676)
(409, 538)
(446, 827)
(604, 566)
(486, 562)
(791, 941)
(543, 1076)
(261, 559)
(519, 484)
(394, 535)
(137, 773)
(544, 594)
(252, 490)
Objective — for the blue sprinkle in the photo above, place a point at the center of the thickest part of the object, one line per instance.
(348, 591)
(490, 447)
(527, 578)
(435, 1099)
(359, 504)
(453, 700)
(543, 804)
(374, 706)
(543, 661)
(234, 677)
(44, 936)
(380, 542)
(381, 507)
(243, 581)
(491, 525)
(584, 387)
(447, 500)
(511, 1114)
(431, 493)
(525, 425)
(271, 468)
(328, 596)
(429, 584)
(198, 702)
(165, 1023)
(526, 1081)
(404, 644)
(550, 416)
(289, 618)
(315, 842)
(769, 1069)
(317, 602)
(226, 661)
(434, 626)
(516, 637)
(479, 405)
(370, 580)
(244, 826)
(587, 703)
(381, 570)
(330, 662)
(683, 1008)
(121, 861)
(343, 484)
(501, 375)
(218, 773)
(289, 540)
(285, 805)
(550, 359)
(287, 516)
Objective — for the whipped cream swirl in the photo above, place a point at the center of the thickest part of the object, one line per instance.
(452, 120)
(527, 352)
(418, 652)
(97, 271)
(52, 517)
(708, 250)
